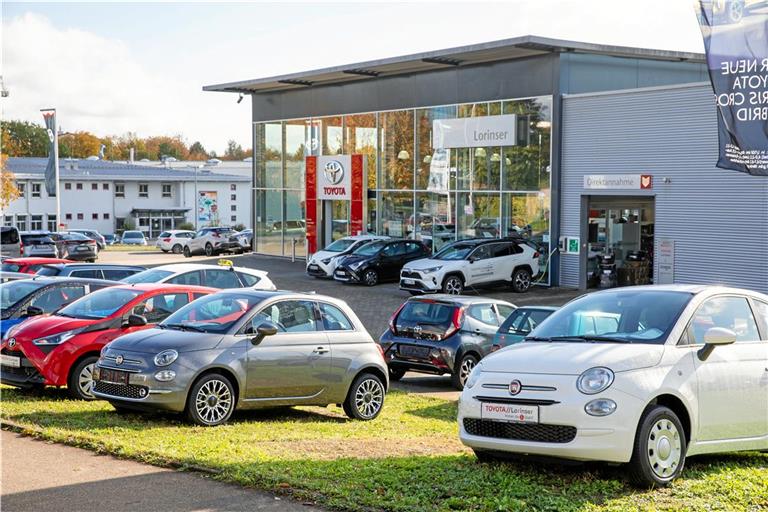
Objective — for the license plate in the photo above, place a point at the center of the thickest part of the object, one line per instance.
(12, 361)
(81, 248)
(409, 281)
(510, 412)
(113, 376)
(314, 267)
(412, 351)
(341, 273)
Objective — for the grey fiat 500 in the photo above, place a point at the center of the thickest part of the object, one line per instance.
(246, 349)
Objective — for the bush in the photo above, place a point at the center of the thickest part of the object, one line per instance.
(188, 226)
(239, 227)
(128, 225)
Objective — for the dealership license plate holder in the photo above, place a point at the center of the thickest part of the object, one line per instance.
(409, 281)
(510, 413)
(312, 266)
(413, 351)
(113, 376)
(11, 361)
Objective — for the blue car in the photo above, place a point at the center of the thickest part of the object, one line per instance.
(24, 298)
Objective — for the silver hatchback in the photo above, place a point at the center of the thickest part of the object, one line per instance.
(246, 349)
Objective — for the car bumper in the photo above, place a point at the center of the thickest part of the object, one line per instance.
(80, 256)
(228, 246)
(315, 269)
(41, 253)
(23, 376)
(438, 358)
(143, 391)
(346, 275)
(420, 285)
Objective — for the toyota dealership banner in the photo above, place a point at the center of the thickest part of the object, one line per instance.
(52, 167)
(736, 44)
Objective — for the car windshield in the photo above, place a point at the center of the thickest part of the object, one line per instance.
(46, 270)
(133, 234)
(10, 267)
(100, 304)
(457, 251)
(214, 313)
(369, 249)
(523, 320)
(623, 316)
(74, 236)
(340, 245)
(13, 292)
(153, 275)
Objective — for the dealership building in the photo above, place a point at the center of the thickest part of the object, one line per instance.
(585, 149)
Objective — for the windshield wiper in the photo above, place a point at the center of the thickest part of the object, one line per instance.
(537, 338)
(185, 327)
(590, 337)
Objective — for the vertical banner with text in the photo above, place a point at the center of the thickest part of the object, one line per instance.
(735, 40)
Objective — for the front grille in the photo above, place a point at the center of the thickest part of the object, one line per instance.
(410, 275)
(121, 390)
(535, 432)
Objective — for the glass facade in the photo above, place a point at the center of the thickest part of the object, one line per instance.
(491, 191)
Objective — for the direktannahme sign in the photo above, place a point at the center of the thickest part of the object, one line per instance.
(334, 177)
(475, 132)
(618, 181)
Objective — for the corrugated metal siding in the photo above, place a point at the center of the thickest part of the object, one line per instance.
(718, 218)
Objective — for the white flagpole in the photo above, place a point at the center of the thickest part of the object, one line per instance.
(56, 168)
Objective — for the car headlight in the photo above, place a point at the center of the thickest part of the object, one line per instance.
(166, 357)
(430, 270)
(595, 380)
(472, 380)
(104, 350)
(56, 339)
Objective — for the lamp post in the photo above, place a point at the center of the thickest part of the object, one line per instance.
(196, 199)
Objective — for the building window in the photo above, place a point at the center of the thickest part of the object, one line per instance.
(105, 186)
(233, 187)
(119, 190)
(67, 186)
(233, 207)
(36, 190)
(21, 222)
(94, 186)
(233, 197)
(8, 221)
(68, 216)
(79, 216)
(51, 222)
(21, 188)
(166, 190)
(79, 186)
(36, 223)
(95, 216)
(143, 190)
(233, 218)
(106, 216)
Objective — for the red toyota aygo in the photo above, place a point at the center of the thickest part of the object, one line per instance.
(61, 349)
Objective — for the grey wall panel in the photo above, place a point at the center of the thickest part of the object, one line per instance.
(718, 218)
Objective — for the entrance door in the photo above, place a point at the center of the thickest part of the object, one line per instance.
(334, 222)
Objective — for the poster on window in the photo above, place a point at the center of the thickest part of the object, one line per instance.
(207, 207)
(439, 171)
(735, 34)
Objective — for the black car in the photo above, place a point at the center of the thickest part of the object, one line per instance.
(90, 270)
(75, 246)
(379, 261)
(442, 334)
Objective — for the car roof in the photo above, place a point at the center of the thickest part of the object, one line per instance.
(15, 275)
(285, 294)
(150, 287)
(694, 289)
(366, 237)
(464, 300)
(32, 260)
(67, 279)
(94, 265)
(188, 267)
(538, 308)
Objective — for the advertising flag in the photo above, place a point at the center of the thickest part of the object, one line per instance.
(735, 35)
(52, 168)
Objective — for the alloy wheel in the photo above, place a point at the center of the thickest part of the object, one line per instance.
(664, 448)
(213, 401)
(522, 281)
(176, 249)
(85, 380)
(467, 365)
(369, 398)
(208, 250)
(371, 277)
(453, 286)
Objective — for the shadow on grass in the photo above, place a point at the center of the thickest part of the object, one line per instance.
(444, 411)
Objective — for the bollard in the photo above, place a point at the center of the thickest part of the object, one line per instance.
(293, 251)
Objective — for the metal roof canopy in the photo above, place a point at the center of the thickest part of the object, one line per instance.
(505, 49)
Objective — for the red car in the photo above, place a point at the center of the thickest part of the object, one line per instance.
(29, 265)
(61, 349)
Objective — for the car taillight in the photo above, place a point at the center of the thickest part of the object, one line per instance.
(381, 351)
(166, 240)
(394, 317)
(21, 248)
(536, 254)
(456, 319)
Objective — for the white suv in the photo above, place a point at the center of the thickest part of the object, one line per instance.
(475, 262)
(323, 263)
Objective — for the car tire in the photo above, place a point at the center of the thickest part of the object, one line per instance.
(463, 368)
(365, 398)
(93, 260)
(521, 280)
(187, 252)
(658, 455)
(208, 250)
(370, 277)
(453, 285)
(164, 250)
(395, 374)
(176, 249)
(211, 400)
(80, 380)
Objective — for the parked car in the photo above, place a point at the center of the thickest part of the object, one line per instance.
(245, 238)
(173, 240)
(6, 277)
(679, 375)
(22, 299)
(61, 349)
(442, 335)
(323, 263)
(75, 246)
(133, 238)
(29, 265)
(378, 261)
(473, 262)
(212, 241)
(93, 235)
(224, 275)
(108, 271)
(247, 349)
(111, 239)
(38, 244)
(10, 242)
(520, 323)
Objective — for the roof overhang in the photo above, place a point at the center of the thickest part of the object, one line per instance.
(505, 49)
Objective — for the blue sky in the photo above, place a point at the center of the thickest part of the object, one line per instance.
(114, 67)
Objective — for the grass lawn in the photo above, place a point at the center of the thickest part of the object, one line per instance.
(408, 459)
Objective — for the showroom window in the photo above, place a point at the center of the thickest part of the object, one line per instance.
(269, 155)
(396, 150)
(296, 151)
(360, 138)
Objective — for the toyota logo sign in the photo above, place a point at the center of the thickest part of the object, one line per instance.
(12, 342)
(515, 387)
(334, 172)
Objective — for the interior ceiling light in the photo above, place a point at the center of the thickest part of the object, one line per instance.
(480, 152)
(403, 155)
(495, 157)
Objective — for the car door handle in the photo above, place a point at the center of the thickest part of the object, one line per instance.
(321, 350)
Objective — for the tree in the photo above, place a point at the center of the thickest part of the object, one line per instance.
(197, 151)
(79, 145)
(234, 151)
(188, 226)
(22, 138)
(8, 189)
(162, 146)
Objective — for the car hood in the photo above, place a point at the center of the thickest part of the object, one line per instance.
(321, 255)
(572, 358)
(429, 263)
(48, 325)
(156, 340)
(352, 258)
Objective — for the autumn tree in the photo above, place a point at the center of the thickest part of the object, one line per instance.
(22, 138)
(164, 146)
(197, 151)
(234, 151)
(8, 189)
(78, 145)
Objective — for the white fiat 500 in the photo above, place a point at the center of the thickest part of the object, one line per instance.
(644, 375)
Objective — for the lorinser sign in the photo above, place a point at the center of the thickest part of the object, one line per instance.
(334, 177)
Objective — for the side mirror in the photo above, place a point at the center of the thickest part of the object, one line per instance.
(262, 331)
(34, 311)
(136, 321)
(714, 337)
